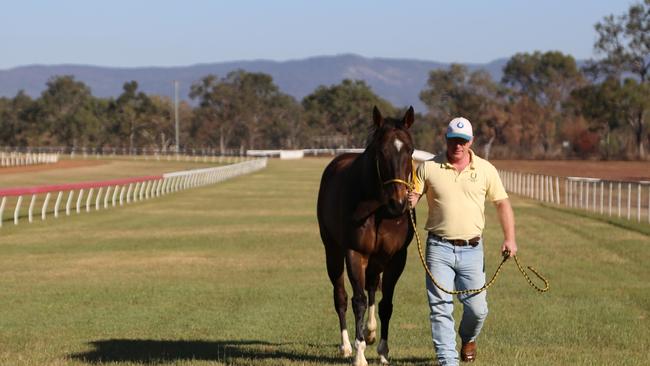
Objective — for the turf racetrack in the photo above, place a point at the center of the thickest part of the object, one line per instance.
(234, 274)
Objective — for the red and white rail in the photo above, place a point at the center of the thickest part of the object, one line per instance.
(110, 193)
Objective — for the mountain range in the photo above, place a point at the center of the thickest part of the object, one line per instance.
(397, 80)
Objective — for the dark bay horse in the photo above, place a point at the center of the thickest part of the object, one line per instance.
(364, 224)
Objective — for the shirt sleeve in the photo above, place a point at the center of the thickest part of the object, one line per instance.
(495, 189)
(419, 179)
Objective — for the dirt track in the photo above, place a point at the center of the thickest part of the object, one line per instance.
(613, 170)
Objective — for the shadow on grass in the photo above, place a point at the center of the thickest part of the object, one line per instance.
(239, 352)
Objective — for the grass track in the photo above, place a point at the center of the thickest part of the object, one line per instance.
(233, 274)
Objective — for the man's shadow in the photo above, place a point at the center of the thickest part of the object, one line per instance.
(236, 352)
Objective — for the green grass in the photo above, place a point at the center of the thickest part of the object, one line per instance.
(234, 274)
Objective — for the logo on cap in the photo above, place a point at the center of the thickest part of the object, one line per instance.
(460, 125)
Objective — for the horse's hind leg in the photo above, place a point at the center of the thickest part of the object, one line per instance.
(389, 280)
(335, 264)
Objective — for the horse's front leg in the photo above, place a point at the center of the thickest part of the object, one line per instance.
(389, 280)
(372, 283)
(356, 266)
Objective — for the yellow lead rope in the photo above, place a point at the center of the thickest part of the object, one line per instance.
(410, 186)
(487, 284)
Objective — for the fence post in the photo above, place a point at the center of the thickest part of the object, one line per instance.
(89, 198)
(629, 200)
(81, 194)
(638, 203)
(17, 210)
(619, 199)
(108, 193)
(114, 198)
(57, 204)
(602, 193)
(128, 194)
(45, 203)
(2, 209)
(610, 198)
(31, 209)
(98, 199)
(69, 203)
(122, 195)
(582, 201)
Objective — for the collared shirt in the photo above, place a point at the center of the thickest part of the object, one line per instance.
(457, 199)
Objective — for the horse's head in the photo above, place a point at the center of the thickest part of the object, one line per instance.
(393, 149)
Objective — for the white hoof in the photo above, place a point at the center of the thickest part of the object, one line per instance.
(360, 359)
(345, 350)
(382, 350)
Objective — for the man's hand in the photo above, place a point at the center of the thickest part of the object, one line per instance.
(413, 199)
(509, 248)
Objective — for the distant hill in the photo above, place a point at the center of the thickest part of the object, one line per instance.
(397, 80)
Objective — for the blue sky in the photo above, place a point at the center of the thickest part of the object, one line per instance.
(173, 33)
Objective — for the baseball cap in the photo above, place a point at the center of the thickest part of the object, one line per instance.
(461, 128)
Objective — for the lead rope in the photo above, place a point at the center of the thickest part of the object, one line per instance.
(506, 255)
(410, 186)
(487, 284)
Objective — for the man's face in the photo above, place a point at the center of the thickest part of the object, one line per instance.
(457, 148)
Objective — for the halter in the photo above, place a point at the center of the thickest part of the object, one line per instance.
(409, 185)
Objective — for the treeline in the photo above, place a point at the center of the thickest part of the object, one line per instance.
(545, 106)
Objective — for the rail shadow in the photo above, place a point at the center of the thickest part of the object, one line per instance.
(228, 352)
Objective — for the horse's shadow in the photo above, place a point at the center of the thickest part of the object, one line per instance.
(228, 352)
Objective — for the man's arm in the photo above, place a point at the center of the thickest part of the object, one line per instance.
(507, 219)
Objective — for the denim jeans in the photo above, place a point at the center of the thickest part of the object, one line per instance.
(460, 268)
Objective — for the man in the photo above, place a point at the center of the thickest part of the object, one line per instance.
(457, 185)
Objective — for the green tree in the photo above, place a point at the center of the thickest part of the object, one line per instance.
(599, 104)
(457, 92)
(548, 80)
(67, 111)
(215, 117)
(132, 112)
(16, 126)
(162, 129)
(624, 40)
(256, 98)
(339, 115)
(286, 128)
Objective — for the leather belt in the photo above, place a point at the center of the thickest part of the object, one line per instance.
(458, 242)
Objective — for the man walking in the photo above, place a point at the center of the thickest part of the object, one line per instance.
(456, 185)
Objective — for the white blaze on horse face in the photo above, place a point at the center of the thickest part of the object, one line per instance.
(398, 144)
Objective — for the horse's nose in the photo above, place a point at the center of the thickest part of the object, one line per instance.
(396, 206)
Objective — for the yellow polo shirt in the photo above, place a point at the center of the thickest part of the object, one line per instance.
(457, 200)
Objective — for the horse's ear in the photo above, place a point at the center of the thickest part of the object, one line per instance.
(409, 118)
(376, 117)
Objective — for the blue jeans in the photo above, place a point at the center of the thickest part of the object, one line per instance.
(460, 268)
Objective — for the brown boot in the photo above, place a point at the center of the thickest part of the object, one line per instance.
(468, 352)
